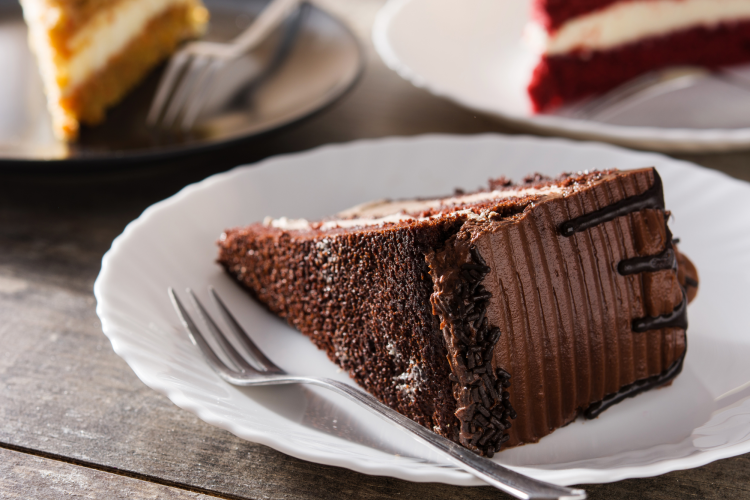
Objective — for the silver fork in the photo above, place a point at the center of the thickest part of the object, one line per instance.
(267, 373)
(649, 86)
(640, 89)
(185, 84)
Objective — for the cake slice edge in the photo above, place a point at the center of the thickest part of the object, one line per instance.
(393, 341)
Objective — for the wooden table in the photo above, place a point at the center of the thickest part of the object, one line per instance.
(75, 420)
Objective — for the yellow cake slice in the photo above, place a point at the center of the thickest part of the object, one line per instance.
(92, 52)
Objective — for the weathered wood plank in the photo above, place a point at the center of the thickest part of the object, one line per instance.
(27, 477)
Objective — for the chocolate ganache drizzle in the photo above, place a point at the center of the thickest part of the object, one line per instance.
(667, 259)
(653, 197)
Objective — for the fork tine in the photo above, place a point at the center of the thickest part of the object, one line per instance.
(199, 94)
(184, 88)
(224, 343)
(247, 342)
(167, 83)
(198, 339)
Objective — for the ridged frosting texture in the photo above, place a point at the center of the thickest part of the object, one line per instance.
(566, 313)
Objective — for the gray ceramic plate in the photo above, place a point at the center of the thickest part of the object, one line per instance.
(272, 87)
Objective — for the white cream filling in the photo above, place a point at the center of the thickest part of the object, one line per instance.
(626, 22)
(381, 208)
(376, 213)
(104, 36)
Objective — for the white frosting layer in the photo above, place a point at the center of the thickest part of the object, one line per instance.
(626, 22)
(105, 35)
(287, 223)
(381, 208)
(376, 213)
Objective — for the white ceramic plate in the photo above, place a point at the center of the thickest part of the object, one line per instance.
(471, 51)
(695, 421)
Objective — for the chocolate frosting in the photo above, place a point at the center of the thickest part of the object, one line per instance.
(666, 260)
(578, 334)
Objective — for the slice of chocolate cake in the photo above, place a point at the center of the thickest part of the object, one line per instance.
(492, 318)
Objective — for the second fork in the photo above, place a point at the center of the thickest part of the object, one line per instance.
(186, 82)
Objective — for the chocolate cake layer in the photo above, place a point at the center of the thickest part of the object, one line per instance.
(364, 298)
(491, 321)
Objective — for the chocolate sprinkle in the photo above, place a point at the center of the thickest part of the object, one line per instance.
(484, 411)
(487, 409)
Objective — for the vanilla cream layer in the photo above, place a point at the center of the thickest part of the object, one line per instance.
(376, 213)
(627, 22)
(104, 36)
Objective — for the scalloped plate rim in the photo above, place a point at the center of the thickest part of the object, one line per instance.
(422, 472)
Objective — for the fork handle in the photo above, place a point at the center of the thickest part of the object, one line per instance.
(504, 479)
(269, 19)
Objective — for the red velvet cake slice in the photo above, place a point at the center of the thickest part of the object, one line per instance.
(492, 318)
(591, 46)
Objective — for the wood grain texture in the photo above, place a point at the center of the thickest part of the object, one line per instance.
(64, 392)
(27, 477)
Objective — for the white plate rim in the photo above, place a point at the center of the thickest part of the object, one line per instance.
(107, 312)
(653, 138)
